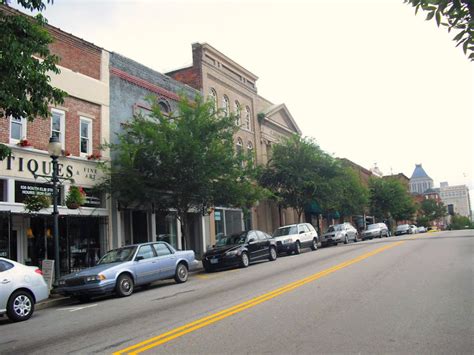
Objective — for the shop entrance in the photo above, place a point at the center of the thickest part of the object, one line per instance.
(8, 238)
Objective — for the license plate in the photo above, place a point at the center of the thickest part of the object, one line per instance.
(214, 261)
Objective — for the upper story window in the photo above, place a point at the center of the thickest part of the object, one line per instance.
(86, 136)
(58, 128)
(239, 146)
(213, 97)
(247, 123)
(164, 107)
(237, 110)
(17, 129)
(226, 105)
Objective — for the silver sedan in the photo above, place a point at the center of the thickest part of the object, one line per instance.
(21, 287)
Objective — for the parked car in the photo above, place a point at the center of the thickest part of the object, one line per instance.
(120, 270)
(422, 229)
(240, 249)
(293, 237)
(433, 229)
(339, 233)
(21, 287)
(376, 230)
(405, 229)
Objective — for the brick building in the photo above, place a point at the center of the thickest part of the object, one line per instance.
(81, 123)
(262, 124)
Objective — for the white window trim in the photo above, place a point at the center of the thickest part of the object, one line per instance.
(23, 130)
(89, 148)
(62, 133)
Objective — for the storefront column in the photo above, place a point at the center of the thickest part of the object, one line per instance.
(153, 226)
(178, 234)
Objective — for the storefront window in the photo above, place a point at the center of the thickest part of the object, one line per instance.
(227, 222)
(5, 235)
(166, 228)
(3, 191)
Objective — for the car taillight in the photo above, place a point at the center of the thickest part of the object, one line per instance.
(38, 271)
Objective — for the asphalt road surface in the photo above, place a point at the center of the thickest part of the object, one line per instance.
(393, 295)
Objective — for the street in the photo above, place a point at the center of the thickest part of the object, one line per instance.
(411, 294)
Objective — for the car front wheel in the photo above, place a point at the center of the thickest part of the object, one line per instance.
(297, 247)
(314, 244)
(20, 306)
(124, 286)
(181, 274)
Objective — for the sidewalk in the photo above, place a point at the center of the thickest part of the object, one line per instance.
(59, 300)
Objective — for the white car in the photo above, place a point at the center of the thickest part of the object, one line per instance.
(21, 287)
(293, 237)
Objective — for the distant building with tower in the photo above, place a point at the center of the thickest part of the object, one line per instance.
(420, 181)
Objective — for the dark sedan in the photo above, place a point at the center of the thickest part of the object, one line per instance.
(240, 250)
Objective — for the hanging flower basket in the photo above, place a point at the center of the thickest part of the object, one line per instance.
(75, 198)
(35, 203)
(24, 143)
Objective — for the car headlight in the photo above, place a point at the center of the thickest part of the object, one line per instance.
(94, 278)
(232, 252)
(61, 282)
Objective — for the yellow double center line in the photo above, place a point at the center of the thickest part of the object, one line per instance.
(213, 318)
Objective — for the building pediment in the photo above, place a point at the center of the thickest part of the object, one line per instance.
(280, 117)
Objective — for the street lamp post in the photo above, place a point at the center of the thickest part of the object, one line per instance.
(54, 150)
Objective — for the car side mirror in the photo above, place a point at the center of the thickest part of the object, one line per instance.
(138, 258)
(251, 240)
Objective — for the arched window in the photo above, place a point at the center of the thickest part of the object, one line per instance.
(247, 123)
(213, 97)
(164, 107)
(239, 146)
(237, 110)
(226, 105)
(250, 149)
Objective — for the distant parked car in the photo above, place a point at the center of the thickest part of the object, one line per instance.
(376, 230)
(21, 287)
(406, 229)
(293, 237)
(339, 233)
(433, 229)
(120, 270)
(422, 229)
(240, 249)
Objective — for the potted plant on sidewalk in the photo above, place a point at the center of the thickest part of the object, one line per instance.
(75, 198)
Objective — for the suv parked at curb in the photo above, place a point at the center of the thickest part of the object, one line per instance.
(339, 233)
(293, 237)
(376, 230)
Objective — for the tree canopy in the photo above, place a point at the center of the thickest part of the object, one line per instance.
(454, 14)
(430, 210)
(25, 63)
(390, 199)
(184, 162)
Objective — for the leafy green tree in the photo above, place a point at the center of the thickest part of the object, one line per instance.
(390, 199)
(454, 14)
(25, 63)
(431, 210)
(352, 197)
(460, 222)
(185, 162)
(298, 173)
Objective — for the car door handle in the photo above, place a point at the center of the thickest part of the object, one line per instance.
(5, 281)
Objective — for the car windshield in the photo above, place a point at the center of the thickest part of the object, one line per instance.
(118, 255)
(373, 226)
(337, 227)
(232, 239)
(285, 231)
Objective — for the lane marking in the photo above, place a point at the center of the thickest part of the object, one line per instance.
(205, 321)
(74, 309)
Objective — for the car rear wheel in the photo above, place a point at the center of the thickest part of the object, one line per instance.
(124, 286)
(273, 254)
(20, 306)
(346, 240)
(181, 274)
(314, 244)
(244, 260)
(297, 247)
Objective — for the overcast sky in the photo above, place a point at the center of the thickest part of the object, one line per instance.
(369, 80)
